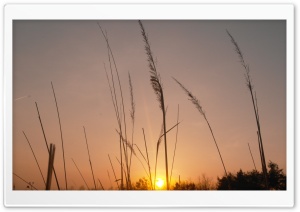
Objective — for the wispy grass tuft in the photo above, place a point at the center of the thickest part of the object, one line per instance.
(196, 103)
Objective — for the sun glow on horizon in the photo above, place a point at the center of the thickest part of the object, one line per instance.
(159, 183)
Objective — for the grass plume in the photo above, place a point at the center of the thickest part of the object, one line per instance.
(254, 103)
(196, 103)
(132, 115)
(158, 90)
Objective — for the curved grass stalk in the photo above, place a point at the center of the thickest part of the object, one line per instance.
(158, 90)
(195, 102)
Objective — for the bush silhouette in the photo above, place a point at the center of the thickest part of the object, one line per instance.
(254, 180)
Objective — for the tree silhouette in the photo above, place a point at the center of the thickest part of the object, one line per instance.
(254, 180)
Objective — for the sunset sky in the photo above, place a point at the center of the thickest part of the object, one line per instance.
(71, 55)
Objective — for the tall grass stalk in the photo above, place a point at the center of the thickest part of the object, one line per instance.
(252, 157)
(158, 90)
(254, 103)
(196, 102)
(87, 146)
(34, 157)
(114, 172)
(115, 103)
(148, 175)
(175, 143)
(111, 55)
(148, 161)
(61, 136)
(41, 123)
(132, 115)
(124, 170)
(101, 184)
(157, 148)
(81, 175)
(109, 179)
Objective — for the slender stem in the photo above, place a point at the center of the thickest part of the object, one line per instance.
(124, 170)
(46, 142)
(81, 174)
(61, 136)
(132, 115)
(216, 144)
(165, 141)
(87, 146)
(148, 161)
(35, 158)
(101, 184)
(141, 161)
(252, 157)
(120, 87)
(250, 87)
(175, 143)
(264, 168)
(109, 179)
(113, 172)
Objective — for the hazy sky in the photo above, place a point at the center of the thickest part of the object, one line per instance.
(199, 54)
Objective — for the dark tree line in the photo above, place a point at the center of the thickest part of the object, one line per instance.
(254, 180)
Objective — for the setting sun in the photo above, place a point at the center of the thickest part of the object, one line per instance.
(160, 183)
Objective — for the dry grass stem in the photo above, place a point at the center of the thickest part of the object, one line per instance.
(35, 157)
(148, 161)
(254, 103)
(87, 146)
(158, 90)
(175, 143)
(252, 157)
(114, 172)
(45, 139)
(195, 101)
(61, 136)
(81, 175)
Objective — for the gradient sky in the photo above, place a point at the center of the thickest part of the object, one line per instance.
(199, 54)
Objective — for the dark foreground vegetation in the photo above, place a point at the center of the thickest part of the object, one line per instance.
(251, 180)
